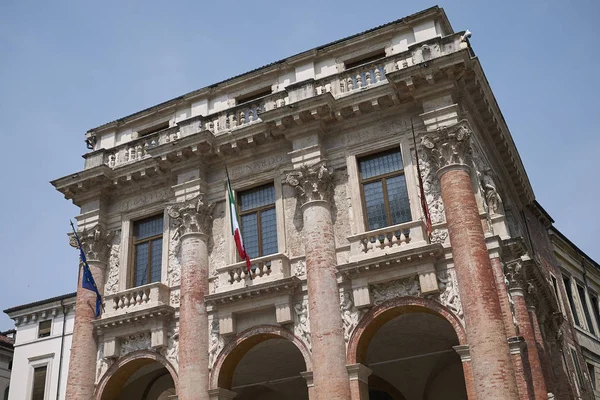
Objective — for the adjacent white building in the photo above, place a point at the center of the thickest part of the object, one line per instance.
(6, 356)
(42, 348)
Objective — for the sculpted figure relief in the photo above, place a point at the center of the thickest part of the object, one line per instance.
(449, 295)
(139, 341)
(216, 343)
(174, 267)
(398, 288)
(433, 192)
(171, 352)
(103, 364)
(312, 183)
(350, 314)
(112, 281)
(302, 323)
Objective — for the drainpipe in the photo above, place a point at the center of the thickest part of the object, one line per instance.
(62, 343)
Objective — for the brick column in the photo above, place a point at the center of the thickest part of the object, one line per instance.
(82, 365)
(194, 218)
(449, 150)
(314, 186)
(465, 357)
(516, 279)
(359, 381)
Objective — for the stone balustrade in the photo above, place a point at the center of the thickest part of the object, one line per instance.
(136, 299)
(387, 240)
(264, 269)
(354, 79)
(138, 149)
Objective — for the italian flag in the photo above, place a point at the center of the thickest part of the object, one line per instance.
(235, 227)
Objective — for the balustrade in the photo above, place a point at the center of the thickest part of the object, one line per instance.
(264, 269)
(136, 299)
(138, 149)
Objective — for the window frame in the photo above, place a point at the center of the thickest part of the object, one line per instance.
(585, 307)
(45, 360)
(258, 211)
(393, 174)
(571, 299)
(132, 246)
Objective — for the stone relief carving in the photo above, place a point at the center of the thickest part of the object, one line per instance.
(300, 269)
(513, 273)
(491, 198)
(171, 352)
(449, 296)
(302, 322)
(103, 364)
(96, 242)
(174, 298)
(139, 341)
(216, 342)
(312, 183)
(174, 267)
(381, 292)
(191, 216)
(350, 314)
(433, 191)
(450, 145)
(439, 236)
(112, 282)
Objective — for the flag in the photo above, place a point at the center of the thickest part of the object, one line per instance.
(235, 226)
(87, 281)
(424, 205)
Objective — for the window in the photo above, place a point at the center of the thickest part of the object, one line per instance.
(592, 375)
(594, 300)
(153, 129)
(577, 368)
(147, 251)
(246, 98)
(39, 383)
(586, 310)
(383, 187)
(44, 328)
(567, 282)
(258, 220)
(364, 59)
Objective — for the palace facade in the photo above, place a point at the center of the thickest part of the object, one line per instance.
(352, 294)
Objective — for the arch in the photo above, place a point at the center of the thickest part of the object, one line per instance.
(222, 372)
(118, 373)
(376, 317)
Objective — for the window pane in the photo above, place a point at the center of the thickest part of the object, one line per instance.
(250, 234)
(586, 310)
(375, 205)
(268, 231)
(148, 227)
(567, 282)
(44, 328)
(141, 264)
(257, 197)
(156, 260)
(594, 301)
(398, 199)
(39, 383)
(380, 164)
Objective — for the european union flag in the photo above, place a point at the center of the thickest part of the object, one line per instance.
(87, 281)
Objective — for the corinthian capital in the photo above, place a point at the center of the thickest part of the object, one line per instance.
(96, 243)
(312, 183)
(449, 146)
(515, 276)
(192, 216)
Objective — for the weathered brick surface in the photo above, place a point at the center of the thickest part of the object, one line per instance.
(493, 370)
(328, 346)
(507, 315)
(193, 319)
(82, 364)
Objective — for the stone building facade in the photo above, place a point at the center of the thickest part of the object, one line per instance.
(350, 296)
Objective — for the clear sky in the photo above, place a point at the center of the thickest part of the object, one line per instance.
(68, 66)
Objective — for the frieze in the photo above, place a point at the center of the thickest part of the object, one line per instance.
(141, 200)
(265, 164)
(131, 343)
(302, 322)
(112, 281)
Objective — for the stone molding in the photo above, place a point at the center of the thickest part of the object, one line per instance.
(312, 182)
(192, 216)
(449, 147)
(96, 243)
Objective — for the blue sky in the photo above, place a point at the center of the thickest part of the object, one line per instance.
(68, 66)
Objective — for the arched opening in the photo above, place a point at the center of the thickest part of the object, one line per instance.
(264, 363)
(408, 344)
(138, 378)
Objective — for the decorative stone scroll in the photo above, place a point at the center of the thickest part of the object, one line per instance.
(96, 243)
(139, 341)
(449, 145)
(350, 314)
(191, 216)
(112, 281)
(312, 183)
(439, 236)
(302, 322)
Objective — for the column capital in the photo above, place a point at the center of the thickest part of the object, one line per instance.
(193, 215)
(515, 276)
(96, 242)
(312, 182)
(449, 147)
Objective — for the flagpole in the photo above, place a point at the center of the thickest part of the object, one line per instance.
(424, 205)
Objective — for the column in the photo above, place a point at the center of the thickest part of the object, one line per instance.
(449, 151)
(516, 280)
(465, 357)
(82, 365)
(314, 186)
(194, 217)
(359, 381)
